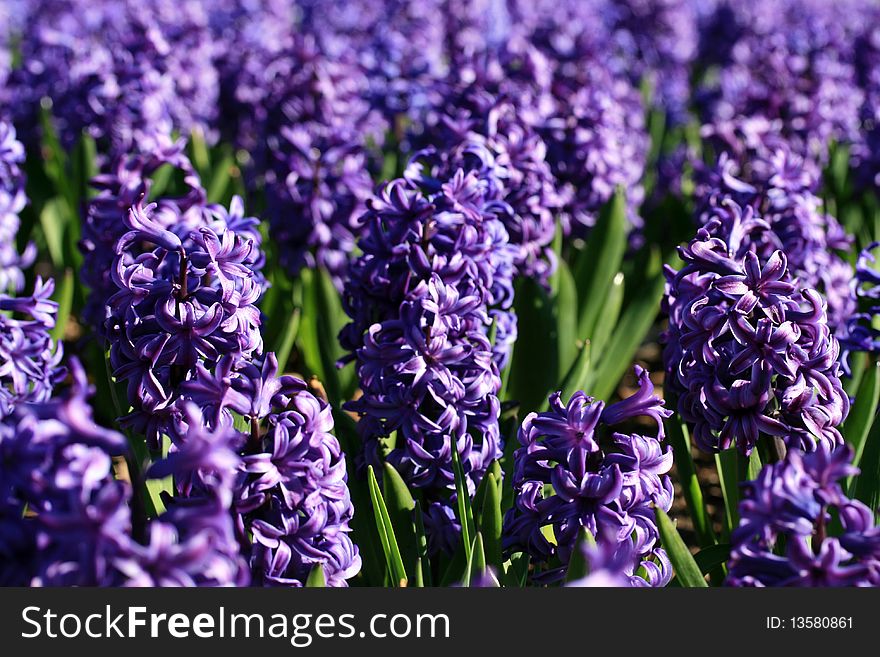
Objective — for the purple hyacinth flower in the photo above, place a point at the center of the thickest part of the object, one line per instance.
(784, 537)
(602, 480)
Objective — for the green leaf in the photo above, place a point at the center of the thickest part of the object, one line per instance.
(686, 570)
(364, 532)
(610, 314)
(578, 567)
(386, 531)
(690, 483)
(599, 262)
(728, 479)
(535, 365)
(423, 574)
(455, 567)
(220, 177)
(201, 159)
(316, 579)
(53, 221)
(476, 562)
(322, 319)
(637, 319)
(491, 518)
(564, 310)
(865, 486)
(400, 509)
(55, 164)
(712, 557)
(864, 409)
(753, 466)
(577, 375)
(64, 298)
(516, 571)
(463, 500)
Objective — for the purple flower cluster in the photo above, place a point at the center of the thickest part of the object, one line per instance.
(656, 42)
(56, 464)
(12, 201)
(194, 542)
(128, 179)
(862, 333)
(186, 293)
(399, 44)
(758, 168)
(489, 137)
(610, 562)
(748, 351)
(125, 72)
(291, 500)
(29, 358)
(311, 127)
(596, 142)
(602, 479)
(791, 60)
(79, 529)
(867, 49)
(784, 536)
(434, 262)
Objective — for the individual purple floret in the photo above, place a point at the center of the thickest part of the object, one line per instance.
(791, 60)
(757, 167)
(187, 288)
(12, 202)
(291, 500)
(748, 351)
(603, 480)
(419, 298)
(786, 524)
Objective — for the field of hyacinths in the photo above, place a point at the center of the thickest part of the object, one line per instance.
(439, 293)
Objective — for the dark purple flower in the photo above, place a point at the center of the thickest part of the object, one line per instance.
(308, 129)
(126, 181)
(488, 136)
(186, 291)
(602, 480)
(433, 262)
(748, 351)
(125, 73)
(55, 462)
(757, 167)
(862, 334)
(784, 536)
(291, 502)
(793, 61)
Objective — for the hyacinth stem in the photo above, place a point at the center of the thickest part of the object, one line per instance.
(183, 277)
(255, 430)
